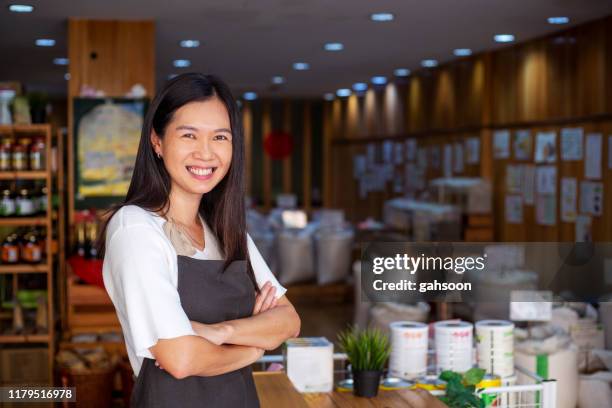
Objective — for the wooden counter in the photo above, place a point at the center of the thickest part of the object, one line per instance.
(276, 391)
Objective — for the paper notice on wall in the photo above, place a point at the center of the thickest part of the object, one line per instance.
(501, 144)
(370, 155)
(591, 197)
(523, 145)
(584, 230)
(411, 148)
(529, 184)
(363, 187)
(514, 178)
(458, 158)
(434, 152)
(448, 160)
(546, 180)
(419, 181)
(472, 147)
(398, 181)
(546, 147)
(359, 165)
(546, 209)
(422, 158)
(592, 160)
(514, 209)
(410, 177)
(398, 153)
(388, 151)
(569, 190)
(571, 144)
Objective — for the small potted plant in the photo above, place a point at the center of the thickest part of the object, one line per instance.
(367, 351)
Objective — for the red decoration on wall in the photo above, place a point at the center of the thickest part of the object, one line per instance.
(278, 144)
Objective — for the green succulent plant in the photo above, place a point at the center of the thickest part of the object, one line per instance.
(367, 350)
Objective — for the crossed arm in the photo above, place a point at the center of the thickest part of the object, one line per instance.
(228, 346)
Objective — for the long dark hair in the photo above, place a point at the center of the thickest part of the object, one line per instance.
(222, 208)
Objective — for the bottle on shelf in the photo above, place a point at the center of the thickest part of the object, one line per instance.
(92, 235)
(6, 153)
(10, 249)
(25, 203)
(38, 154)
(7, 202)
(31, 247)
(81, 245)
(20, 154)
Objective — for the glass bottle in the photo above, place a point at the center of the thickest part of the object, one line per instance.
(10, 250)
(20, 154)
(38, 154)
(6, 151)
(7, 202)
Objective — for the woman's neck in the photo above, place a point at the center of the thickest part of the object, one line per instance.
(183, 207)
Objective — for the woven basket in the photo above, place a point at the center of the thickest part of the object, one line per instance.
(94, 387)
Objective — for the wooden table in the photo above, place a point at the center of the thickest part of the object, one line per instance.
(276, 391)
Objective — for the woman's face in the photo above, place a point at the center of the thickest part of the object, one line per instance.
(197, 146)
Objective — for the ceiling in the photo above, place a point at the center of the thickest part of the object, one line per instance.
(247, 42)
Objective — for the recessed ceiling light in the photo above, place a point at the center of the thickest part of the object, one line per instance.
(360, 87)
(181, 63)
(401, 72)
(429, 63)
(379, 80)
(301, 66)
(381, 17)
(278, 80)
(45, 42)
(558, 20)
(21, 8)
(333, 46)
(67, 76)
(344, 92)
(462, 52)
(249, 96)
(60, 61)
(190, 43)
(328, 96)
(503, 38)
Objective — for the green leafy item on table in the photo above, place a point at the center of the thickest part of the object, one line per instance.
(461, 389)
(366, 350)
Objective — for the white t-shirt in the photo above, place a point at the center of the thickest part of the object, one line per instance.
(140, 275)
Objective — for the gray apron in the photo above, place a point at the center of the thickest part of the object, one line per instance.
(208, 295)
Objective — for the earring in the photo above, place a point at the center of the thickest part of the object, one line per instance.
(158, 155)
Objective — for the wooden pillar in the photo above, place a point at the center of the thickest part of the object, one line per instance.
(247, 124)
(307, 165)
(266, 125)
(287, 161)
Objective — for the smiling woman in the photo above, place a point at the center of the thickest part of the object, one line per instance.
(196, 302)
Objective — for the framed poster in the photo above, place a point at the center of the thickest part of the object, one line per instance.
(106, 137)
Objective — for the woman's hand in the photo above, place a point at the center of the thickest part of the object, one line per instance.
(265, 299)
(217, 333)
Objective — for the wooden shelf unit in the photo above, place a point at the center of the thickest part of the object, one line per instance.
(18, 131)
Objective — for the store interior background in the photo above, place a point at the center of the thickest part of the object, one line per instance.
(549, 77)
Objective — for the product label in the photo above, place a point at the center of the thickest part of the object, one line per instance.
(7, 207)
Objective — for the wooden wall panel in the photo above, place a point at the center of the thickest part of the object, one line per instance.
(124, 55)
(561, 80)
